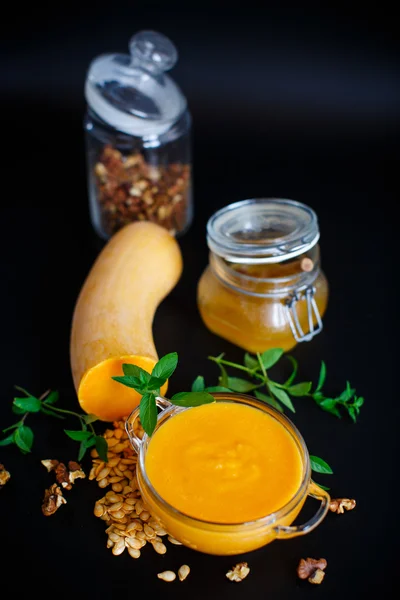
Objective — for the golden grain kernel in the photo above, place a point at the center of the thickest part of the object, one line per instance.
(133, 542)
(115, 507)
(133, 552)
(149, 531)
(159, 547)
(118, 548)
(174, 541)
(113, 498)
(183, 572)
(167, 576)
(98, 510)
(103, 473)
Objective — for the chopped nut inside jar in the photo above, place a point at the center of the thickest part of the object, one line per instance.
(238, 572)
(130, 189)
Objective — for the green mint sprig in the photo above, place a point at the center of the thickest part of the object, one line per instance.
(148, 386)
(279, 395)
(22, 436)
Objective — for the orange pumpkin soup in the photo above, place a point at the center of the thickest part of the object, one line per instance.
(224, 463)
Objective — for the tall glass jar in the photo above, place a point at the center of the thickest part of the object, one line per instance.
(263, 286)
(138, 139)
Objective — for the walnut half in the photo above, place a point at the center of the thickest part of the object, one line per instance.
(4, 476)
(312, 569)
(53, 498)
(238, 572)
(339, 505)
(75, 471)
(49, 463)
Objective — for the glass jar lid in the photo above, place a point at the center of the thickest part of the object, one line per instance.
(132, 93)
(264, 230)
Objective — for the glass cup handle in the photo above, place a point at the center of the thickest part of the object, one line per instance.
(318, 493)
(135, 440)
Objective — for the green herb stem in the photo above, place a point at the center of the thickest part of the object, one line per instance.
(260, 362)
(230, 364)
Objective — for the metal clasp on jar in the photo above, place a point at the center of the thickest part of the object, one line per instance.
(312, 312)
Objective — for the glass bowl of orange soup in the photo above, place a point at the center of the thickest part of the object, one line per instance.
(227, 477)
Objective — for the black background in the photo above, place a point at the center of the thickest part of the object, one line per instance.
(289, 101)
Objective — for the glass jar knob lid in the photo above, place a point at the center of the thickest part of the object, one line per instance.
(153, 51)
(131, 92)
(265, 230)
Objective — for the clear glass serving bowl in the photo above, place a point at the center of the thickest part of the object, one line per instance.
(228, 539)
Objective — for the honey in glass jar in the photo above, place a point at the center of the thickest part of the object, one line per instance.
(263, 286)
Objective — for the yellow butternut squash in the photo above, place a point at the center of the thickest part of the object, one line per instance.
(113, 316)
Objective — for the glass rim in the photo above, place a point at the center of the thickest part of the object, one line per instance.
(268, 519)
(231, 241)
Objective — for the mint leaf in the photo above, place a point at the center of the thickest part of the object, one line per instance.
(241, 385)
(198, 384)
(8, 440)
(322, 376)
(320, 466)
(250, 362)
(281, 395)
(269, 400)
(52, 398)
(101, 447)
(270, 357)
(165, 366)
(216, 388)
(28, 404)
(23, 437)
(132, 382)
(347, 394)
(85, 444)
(155, 383)
(144, 377)
(17, 411)
(82, 451)
(352, 412)
(131, 370)
(148, 413)
(300, 389)
(78, 436)
(192, 398)
(90, 419)
(330, 405)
